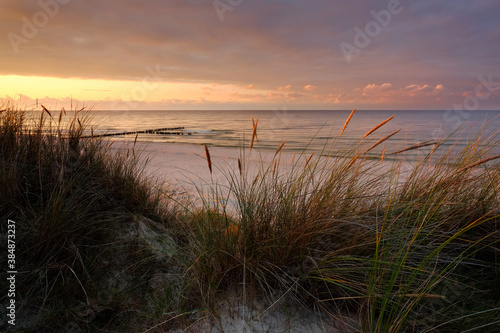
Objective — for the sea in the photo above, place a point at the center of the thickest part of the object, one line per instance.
(305, 130)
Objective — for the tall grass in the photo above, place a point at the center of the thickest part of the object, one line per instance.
(348, 235)
(379, 245)
(73, 203)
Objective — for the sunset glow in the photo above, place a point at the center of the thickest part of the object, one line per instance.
(258, 55)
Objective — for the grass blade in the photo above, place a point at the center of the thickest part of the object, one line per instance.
(479, 162)
(416, 146)
(382, 140)
(209, 161)
(377, 127)
(45, 110)
(347, 122)
(254, 134)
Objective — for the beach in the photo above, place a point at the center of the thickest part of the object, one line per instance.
(184, 167)
(230, 238)
(245, 166)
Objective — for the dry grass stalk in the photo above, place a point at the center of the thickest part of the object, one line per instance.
(377, 127)
(308, 160)
(479, 162)
(353, 160)
(232, 231)
(383, 155)
(254, 125)
(347, 122)
(45, 110)
(473, 146)
(254, 134)
(209, 161)
(416, 146)
(279, 148)
(239, 167)
(255, 180)
(382, 140)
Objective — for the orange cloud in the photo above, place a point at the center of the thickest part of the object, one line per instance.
(384, 86)
(415, 87)
(310, 87)
(295, 95)
(376, 89)
(285, 88)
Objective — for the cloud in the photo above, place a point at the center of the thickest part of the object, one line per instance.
(263, 42)
(374, 87)
(382, 86)
(285, 88)
(416, 87)
(295, 95)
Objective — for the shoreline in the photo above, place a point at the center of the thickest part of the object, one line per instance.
(184, 167)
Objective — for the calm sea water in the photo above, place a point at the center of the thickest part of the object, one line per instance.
(300, 129)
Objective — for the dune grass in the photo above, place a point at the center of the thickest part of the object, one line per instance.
(347, 235)
(378, 247)
(74, 203)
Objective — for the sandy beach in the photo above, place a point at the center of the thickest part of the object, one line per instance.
(183, 165)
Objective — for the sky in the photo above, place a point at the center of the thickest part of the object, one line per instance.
(251, 54)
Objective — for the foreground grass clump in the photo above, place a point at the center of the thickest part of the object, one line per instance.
(86, 221)
(395, 246)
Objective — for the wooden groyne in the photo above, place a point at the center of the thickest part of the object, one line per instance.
(163, 131)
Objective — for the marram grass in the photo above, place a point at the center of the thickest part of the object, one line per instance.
(336, 234)
(377, 245)
(77, 207)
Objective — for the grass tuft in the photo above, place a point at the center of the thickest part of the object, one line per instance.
(80, 210)
(351, 237)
